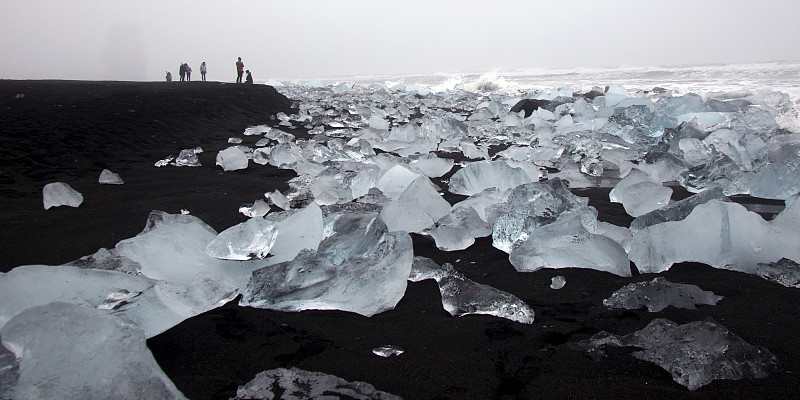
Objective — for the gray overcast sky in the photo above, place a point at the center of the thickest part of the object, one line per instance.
(139, 40)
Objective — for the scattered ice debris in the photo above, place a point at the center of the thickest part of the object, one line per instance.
(717, 233)
(232, 158)
(462, 296)
(557, 282)
(165, 161)
(361, 268)
(659, 294)
(188, 158)
(109, 178)
(296, 384)
(68, 351)
(785, 272)
(695, 353)
(259, 208)
(388, 350)
(247, 240)
(60, 194)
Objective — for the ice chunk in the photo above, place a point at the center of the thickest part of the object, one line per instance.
(259, 208)
(257, 130)
(458, 230)
(785, 272)
(232, 159)
(695, 353)
(296, 384)
(405, 216)
(789, 218)
(462, 296)
(378, 122)
(354, 234)
(278, 199)
(532, 205)
(234, 140)
(164, 162)
(109, 178)
(777, 181)
(720, 234)
(678, 210)
(188, 158)
(430, 165)
(9, 373)
(639, 194)
(480, 175)
(489, 203)
(659, 294)
(366, 285)
(388, 350)
(67, 351)
(58, 194)
(567, 244)
(395, 181)
(251, 239)
(557, 282)
(300, 230)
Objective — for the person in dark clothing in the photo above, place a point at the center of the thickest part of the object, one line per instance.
(239, 70)
(249, 78)
(182, 72)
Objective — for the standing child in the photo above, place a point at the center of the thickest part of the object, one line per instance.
(203, 71)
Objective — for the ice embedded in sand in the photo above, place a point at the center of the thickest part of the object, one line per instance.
(717, 233)
(462, 296)
(658, 294)
(232, 158)
(68, 351)
(695, 353)
(58, 194)
(297, 384)
(109, 178)
(362, 270)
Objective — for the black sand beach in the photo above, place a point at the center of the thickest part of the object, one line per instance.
(69, 131)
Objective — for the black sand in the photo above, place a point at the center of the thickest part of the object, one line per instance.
(69, 131)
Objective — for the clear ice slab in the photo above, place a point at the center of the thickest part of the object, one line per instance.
(658, 294)
(462, 296)
(250, 239)
(58, 194)
(68, 351)
(695, 353)
(297, 384)
(480, 175)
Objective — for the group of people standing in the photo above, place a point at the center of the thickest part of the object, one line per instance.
(185, 72)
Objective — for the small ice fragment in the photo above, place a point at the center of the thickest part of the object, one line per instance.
(234, 140)
(117, 299)
(184, 211)
(278, 199)
(60, 194)
(388, 350)
(557, 282)
(164, 162)
(188, 158)
(109, 178)
(659, 294)
(259, 208)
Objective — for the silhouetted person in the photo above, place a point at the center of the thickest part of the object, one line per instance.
(188, 72)
(249, 78)
(203, 71)
(239, 70)
(169, 76)
(182, 72)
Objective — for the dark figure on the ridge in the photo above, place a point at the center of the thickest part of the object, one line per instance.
(169, 76)
(249, 78)
(188, 73)
(203, 71)
(239, 70)
(182, 72)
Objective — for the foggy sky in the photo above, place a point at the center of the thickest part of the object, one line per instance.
(140, 40)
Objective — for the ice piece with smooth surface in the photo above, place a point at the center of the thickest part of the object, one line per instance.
(300, 230)
(232, 158)
(109, 178)
(458, 229)
(720, 234)
(678, 210)
(58, 194)
(247, 240)
(68, 351)
(296, 384)
(567, 244)
(259, 208)
(480, 175)
(367, 285)
(658, 294)
(695, 353)
(639, 194)
(557, 282)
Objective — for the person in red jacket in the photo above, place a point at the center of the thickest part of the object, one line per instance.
(239, 70)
